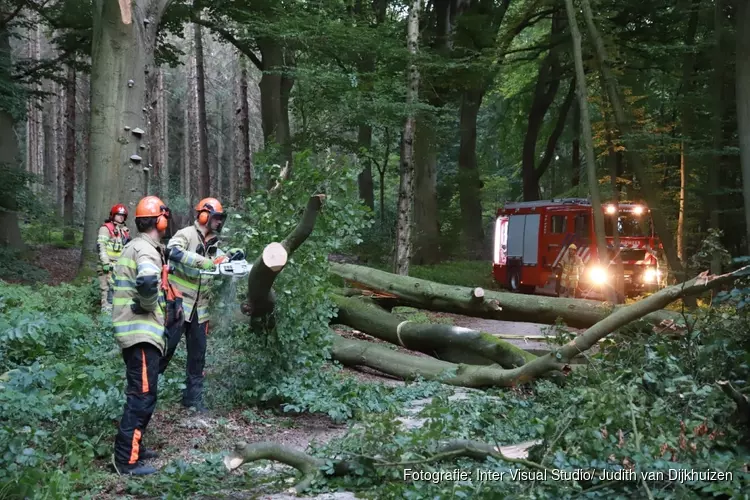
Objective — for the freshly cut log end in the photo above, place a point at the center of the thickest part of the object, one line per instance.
(232, 462)
(275, 256)
(478, 293)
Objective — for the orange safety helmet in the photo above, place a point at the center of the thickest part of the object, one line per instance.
(151, 206)
(118, 209)
(208, 208)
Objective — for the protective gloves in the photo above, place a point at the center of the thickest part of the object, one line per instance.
(208, 265)
(105, 268)
(236, 254)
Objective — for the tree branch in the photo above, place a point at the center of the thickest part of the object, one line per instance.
(556, 132)
(229, 37)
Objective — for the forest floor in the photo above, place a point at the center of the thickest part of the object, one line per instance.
(182, 436)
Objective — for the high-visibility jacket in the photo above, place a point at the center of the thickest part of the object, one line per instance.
(188, 250)
(571, 271)
(110, 241)
(138, 306)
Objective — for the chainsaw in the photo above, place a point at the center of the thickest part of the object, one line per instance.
(234, 268)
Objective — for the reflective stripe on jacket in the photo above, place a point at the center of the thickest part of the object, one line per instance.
(137, 282)
(188, 252)
(571, 271)
(108, 245)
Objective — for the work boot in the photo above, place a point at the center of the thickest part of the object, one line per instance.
(147, 454)
(196, 406)
(136, 469)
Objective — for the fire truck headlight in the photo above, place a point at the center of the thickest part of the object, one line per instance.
(598, 275)
(611, 209)
(638, 210)
(651, 275)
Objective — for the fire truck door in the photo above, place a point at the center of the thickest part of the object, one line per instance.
(523, 238)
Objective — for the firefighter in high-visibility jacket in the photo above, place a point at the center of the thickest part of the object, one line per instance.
(138, 316)
(112, 238)
(191, 250)
(572, 268)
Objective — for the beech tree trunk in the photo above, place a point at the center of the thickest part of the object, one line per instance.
(432, 296)
(69, 176)
(193, 126)
(743, 103)
(356, 352)
(49, 126)
(547, 83)
(575, 155)
(10, 154)
(275, 87)
(426, 237)
(406, 185)
(588, 141)
(158, 151)
(681, 207)
(260, 297)
(242, 177)
(364, 179)
(469, 184)
(445, 342)
(34, 116)
(200, 79)
(712, 200)
(122, 55)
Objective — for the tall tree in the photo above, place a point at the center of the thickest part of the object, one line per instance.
(122, 53)
(200, 79)
(10, 161)
(634, 159)
(406, 186)
(743, 102)
(69, 176)
(593, 180)
(242, 175)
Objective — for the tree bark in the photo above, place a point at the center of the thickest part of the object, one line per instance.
(69, 177)
(712, 200)
(612, 158)
(200, 78)
(446, 342)
(432, 296)
(122, 55)
(10, 154)
(687, 119)
(634, 159)
(275, 87)
(588, 141)
(575, 156)
(406, 185)
(426, 238)
(242, 177)
(193, 125)
(469, 184)
(356, 352)
(547, 84)
(157, 146)
(260, 297)
(743, 103)
(364, 179)
(49, 125)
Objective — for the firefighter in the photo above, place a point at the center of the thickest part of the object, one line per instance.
(191, 250)
(138, 316)
(112, 238)
(572, 268)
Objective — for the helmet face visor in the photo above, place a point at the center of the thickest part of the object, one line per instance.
(216, 221)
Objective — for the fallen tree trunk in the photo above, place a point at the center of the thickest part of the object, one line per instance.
(445, 342)
(260, 298)
(423, 294)
(311, 467)
(353, 352)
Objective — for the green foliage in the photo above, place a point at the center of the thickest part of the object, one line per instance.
(285, 363)
(17, 267)
(61, 380)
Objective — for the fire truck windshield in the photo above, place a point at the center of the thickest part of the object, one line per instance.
(628, 225)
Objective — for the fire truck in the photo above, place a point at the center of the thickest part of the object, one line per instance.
(531, 239)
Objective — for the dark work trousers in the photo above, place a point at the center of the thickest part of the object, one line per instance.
(195, 340)
(141, 369)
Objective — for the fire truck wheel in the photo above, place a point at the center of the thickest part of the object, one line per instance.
(515, 280)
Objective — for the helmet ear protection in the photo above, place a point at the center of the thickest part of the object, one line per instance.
(162, 221)
(206, 212)
(203, 216)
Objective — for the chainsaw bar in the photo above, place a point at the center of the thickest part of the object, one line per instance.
(237, 269)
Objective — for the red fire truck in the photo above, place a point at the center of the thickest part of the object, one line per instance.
(532, 237)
